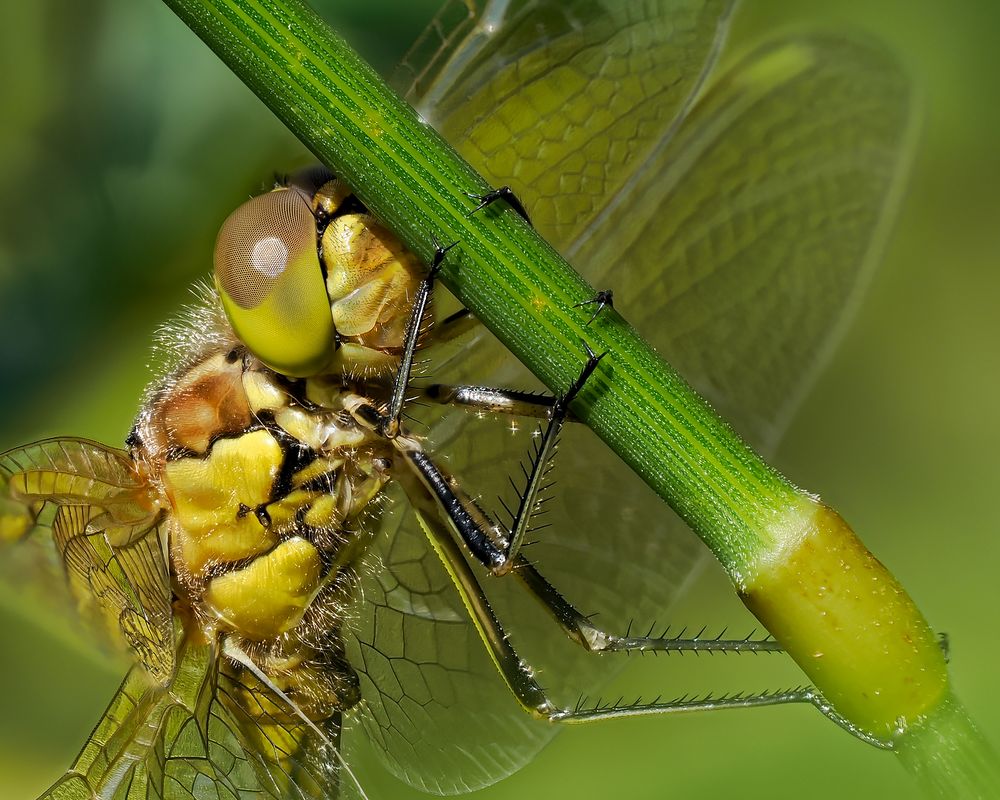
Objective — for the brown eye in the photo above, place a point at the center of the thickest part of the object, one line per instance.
(269, 278)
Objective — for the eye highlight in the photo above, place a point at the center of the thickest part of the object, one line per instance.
(269, 277)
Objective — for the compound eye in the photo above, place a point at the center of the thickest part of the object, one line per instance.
(269, 277)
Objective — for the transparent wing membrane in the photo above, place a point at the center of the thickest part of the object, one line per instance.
(770, 203)
(105, 534)
(458, 25)
(427, 680)
(435, 708)
(71, 471)
(201, 740)
(564, 100)
(127, 587)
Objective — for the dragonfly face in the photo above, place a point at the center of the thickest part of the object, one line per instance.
(253, 548)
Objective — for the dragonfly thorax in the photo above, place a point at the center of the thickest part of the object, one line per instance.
(265, 481)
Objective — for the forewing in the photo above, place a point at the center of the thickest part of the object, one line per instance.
(71, 472)
(564, 101)
(568, 103)
(106, 535)
(753, 228)
(455, 28)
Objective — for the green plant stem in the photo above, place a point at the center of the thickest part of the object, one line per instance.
(949, 757)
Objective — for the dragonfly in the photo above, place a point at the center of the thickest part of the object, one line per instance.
(274, 546)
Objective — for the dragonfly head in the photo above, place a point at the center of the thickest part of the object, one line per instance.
(268, 274)
(310, 281)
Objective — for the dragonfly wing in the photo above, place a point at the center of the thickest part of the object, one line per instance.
(120, 724)
(766, 210)
(210, 735)
(434, 707)
(567, 103)
(455, 27)
(564, 100)
(125, 587)
(66, 472)
(106, 535)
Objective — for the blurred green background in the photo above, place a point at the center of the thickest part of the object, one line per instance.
(123, 144)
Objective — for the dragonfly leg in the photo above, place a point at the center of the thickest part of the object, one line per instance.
(519, 675)
(492, 400)
(605, 298)
(495, 548)
(490, 545)
(390, 422)
(579, 628)
(541, 462)
(455, 325)
(504, 193)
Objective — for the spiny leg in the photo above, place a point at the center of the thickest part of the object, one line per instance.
(494, 400)
(494, 548)
(541, 462)
(485, 540)
(579, 628)
(390, 422)
(503, 193)
(491, 546)
(519, 677)
(603, 299)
